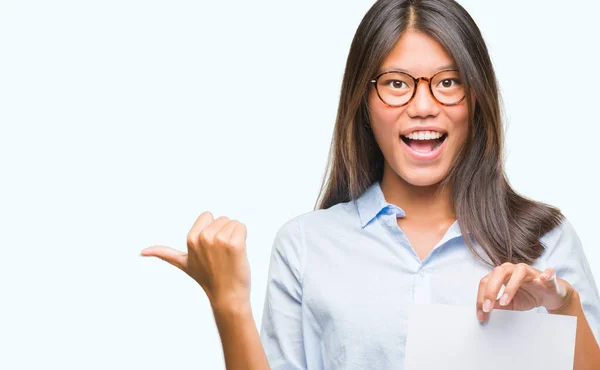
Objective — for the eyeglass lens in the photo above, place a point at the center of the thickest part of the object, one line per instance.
(396, 88)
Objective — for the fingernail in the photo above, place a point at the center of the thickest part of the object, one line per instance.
(504, 300)
(480, 315)
(487, 305)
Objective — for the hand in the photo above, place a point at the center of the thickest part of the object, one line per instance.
(216, 259)
(525, 289)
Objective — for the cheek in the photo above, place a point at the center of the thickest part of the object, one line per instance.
(459, 116)
(383, 118)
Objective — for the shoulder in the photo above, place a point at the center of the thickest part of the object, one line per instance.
(293, 233)
(561, 239)
(564, 252)
(321, 220)
(289, 245)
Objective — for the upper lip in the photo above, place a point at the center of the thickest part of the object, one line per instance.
(423, 128)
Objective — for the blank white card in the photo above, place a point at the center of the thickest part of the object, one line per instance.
(451, 338)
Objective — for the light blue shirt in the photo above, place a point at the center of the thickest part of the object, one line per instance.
(341, 282)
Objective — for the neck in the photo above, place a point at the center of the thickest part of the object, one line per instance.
(420, 203)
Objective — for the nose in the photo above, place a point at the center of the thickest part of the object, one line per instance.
(423, 104)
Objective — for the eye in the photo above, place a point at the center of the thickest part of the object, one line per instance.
(396, 84)
(449, 82)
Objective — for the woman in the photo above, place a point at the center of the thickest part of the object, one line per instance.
(415, 209)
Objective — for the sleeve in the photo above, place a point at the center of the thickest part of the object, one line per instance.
(281, 325)
(565, 254)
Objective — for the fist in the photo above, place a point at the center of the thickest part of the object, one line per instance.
(216, 259)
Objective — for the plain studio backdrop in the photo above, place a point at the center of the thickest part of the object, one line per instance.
(121, 121)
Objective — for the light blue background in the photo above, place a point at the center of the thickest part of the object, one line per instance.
(121, 121)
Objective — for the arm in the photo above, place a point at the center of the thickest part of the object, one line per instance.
(217, 260)
(281, 330)
(565, 252)
(587, 351)
(566, 287)
(282, 321)
(242, 347)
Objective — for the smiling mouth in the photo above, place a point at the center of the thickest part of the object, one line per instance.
(424, 145)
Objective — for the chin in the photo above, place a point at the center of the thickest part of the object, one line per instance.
(424, 177)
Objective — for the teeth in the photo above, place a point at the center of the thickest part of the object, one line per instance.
(424, 135)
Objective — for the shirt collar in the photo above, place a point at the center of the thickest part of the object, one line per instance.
(372, 202)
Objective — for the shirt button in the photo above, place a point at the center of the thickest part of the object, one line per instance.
(421, 272)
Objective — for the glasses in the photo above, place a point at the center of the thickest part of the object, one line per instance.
(397, 89)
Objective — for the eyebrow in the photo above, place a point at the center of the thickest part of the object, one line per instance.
(392, 68)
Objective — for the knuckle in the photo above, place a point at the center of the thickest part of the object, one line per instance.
(233, 247)
(191, 239)
(522, 267)
(204, 237)
(221, 240)
(222, 218)
(237, 245)
(241, 227)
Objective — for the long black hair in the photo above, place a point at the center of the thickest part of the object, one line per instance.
(507, 225)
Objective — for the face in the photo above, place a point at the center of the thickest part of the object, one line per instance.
(418, 162)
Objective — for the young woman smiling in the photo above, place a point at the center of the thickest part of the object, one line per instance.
(415, 208)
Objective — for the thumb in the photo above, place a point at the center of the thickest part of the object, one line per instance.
(175, 257)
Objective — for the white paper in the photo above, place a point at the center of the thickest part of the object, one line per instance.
(451, 338)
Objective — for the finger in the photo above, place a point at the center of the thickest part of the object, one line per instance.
(207, 235)
(224, 235)
(175, 257)
(549, 274)
(239, 235)
(205, 219)
(499, 276)
(519, 274)
(480, 297)
(237, 247)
